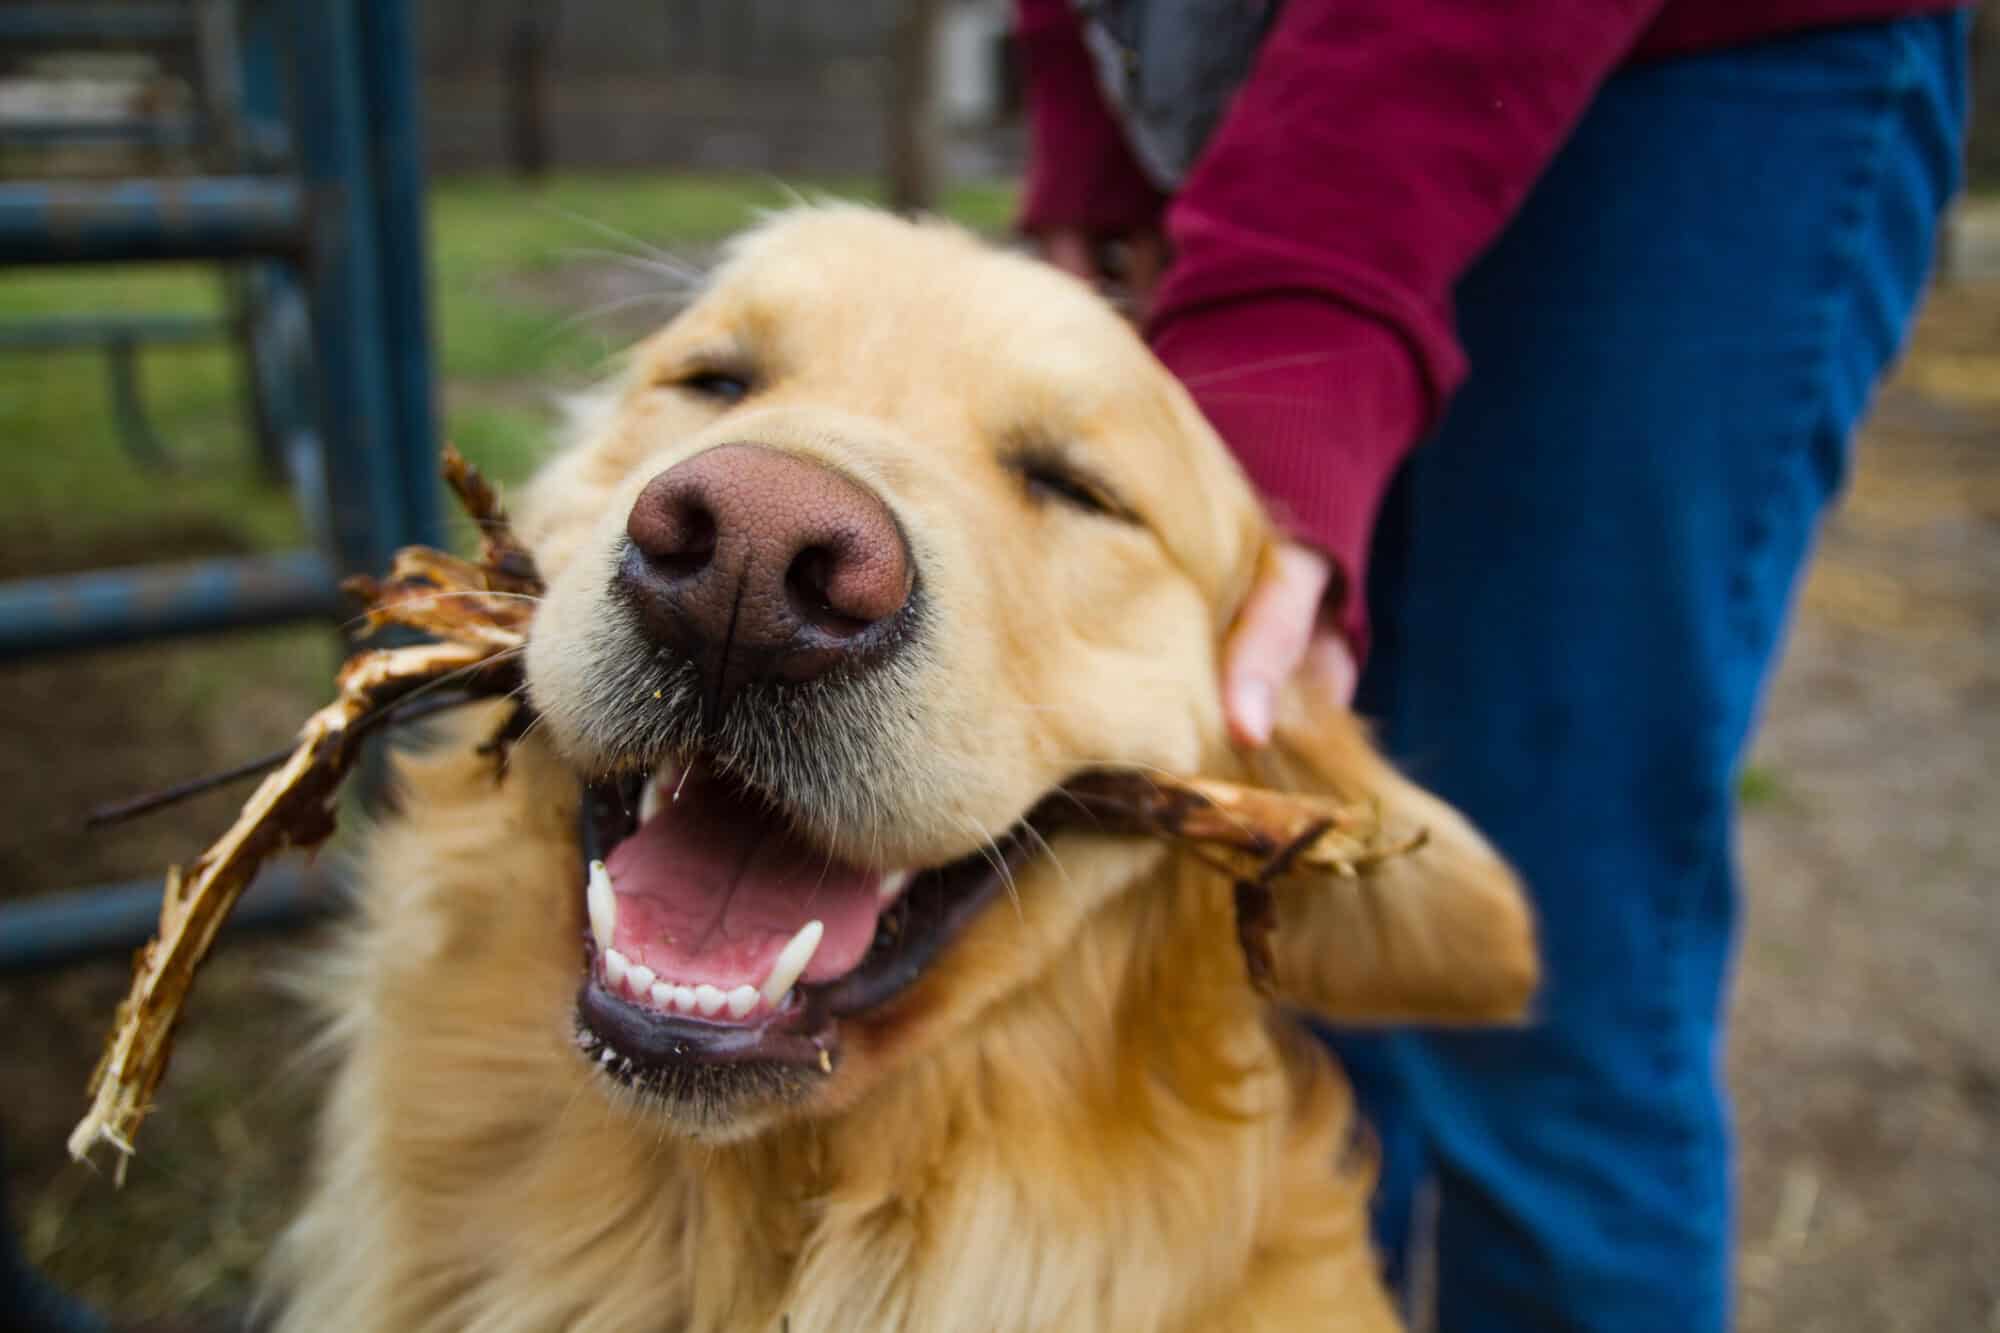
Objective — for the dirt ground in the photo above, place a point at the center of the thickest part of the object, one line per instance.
(1864, 1058)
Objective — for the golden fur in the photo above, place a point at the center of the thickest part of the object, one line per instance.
(1082, 1117)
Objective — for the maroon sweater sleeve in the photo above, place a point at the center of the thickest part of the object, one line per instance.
(1081, 173)
(1377, 148)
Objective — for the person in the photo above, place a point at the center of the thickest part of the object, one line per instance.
(1629, 271)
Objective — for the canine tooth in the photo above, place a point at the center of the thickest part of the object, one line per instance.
(615, 967)
(662, 995)
(792, 960)
(684, 999)
(709, 1000)
(891, 885)
(649, 798)
(603, 904)
(742, 1000)
(640, 979)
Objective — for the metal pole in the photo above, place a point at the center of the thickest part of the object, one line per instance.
(396, 152)
(358, 420)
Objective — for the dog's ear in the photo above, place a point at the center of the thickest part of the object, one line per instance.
(1438, 934)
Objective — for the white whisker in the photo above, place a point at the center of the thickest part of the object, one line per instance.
(1050, 852)
(607, 230)
(996, 858)
(671, 300)
(685, 274)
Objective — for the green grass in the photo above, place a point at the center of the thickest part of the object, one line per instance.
(483, 223)
(67, 491)
(485, 231)
(506, 441)
(1758, 787)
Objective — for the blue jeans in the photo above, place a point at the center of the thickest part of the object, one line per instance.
(1579, 586)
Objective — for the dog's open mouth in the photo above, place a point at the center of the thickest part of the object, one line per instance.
(717, 934)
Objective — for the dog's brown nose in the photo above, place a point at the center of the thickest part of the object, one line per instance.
(752, 562)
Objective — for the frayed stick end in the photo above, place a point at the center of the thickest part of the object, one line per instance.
(111, 1121)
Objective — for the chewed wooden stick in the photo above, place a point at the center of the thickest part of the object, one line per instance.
(1252, 834)
(480, 611)
(1245, 828)
(293, 807)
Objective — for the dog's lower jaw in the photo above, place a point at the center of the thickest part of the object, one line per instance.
(1092, 1147)
(704, 1117)
(705, 1100)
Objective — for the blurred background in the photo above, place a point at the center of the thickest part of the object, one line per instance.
(365, 228)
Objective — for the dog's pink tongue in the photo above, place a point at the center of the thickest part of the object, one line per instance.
(713, 886)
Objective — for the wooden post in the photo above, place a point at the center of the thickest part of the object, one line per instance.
(912, 168)
(525, 78)
(1984, 134)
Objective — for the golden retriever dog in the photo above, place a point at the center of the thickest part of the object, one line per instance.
(756, 996)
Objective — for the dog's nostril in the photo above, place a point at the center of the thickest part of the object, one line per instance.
(694, 544)
(676, 532)
(809, 585)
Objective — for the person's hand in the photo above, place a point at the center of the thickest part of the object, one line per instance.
(1143, 254)
(1286, 628)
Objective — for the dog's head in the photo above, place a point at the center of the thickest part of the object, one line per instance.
(882, 540)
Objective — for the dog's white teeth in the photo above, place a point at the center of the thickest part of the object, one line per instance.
(792, 960)
(603, 905)
(623, 975)
(649, 798)
(891, 885)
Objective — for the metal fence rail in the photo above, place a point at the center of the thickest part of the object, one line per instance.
(141, 220)
(108, 607)
(321, 226)
(58, 929)
(113, 23)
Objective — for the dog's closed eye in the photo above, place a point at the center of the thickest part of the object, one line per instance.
(725, 386)
(1049, 476)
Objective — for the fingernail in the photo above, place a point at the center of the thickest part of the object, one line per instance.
(1253, 710)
